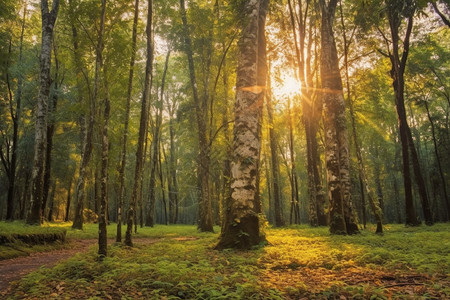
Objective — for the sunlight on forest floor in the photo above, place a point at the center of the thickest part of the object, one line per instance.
(299, 262)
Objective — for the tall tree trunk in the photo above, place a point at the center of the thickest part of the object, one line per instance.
(25, 194)
(52, 202)
(142, 129)
(163, 185)
(242, 228)
(342, 220)
(363, 201)
(275, 169)
(50, 132)
(150, 221)
(226, 169)
(140, 202)
(397, 74)
(294, 180)
(312, 110)
(15, 117)
(173, 187)
(123, 160)
(205, 222)
(425, 201)
(438, 161)
(376, 210)
(156, 154)
(87, 127)
(103, 211)
(69, 193)
(40, 140)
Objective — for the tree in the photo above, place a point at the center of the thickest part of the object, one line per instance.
(275, 166)
(376, 210)
(86, 126)
(48, 23)
(311, 104)
(342, 220)
(123, 160)
(443, 17)
(396, 10)
(201, 109)
(9, 159)
(241, 227)
(295, 201)
(50, 132)
(136, 193)
(102, 234)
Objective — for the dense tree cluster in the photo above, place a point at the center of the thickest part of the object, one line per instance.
(331, 113)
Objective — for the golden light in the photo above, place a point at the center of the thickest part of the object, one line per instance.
(286, 86)
(290, 86)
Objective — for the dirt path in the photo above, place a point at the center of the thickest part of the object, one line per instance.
(15, 268)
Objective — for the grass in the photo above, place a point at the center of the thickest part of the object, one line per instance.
(89, 231)
(299, 262)
(20, 239)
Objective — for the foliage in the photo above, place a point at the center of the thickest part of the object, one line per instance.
(299, 262)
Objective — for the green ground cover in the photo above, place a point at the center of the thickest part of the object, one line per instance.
(19, 239)
(299, 262)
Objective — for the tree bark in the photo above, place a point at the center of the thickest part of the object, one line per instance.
(226, 169)
(173, 187)
(242, 225)
(205, 222)
(69, 192)
(154, 153)
(342, 220)
(52, 202)
(40, 141)
(275, 169)
(50, 133)
(150, 221)
(438, 161)
(123, 160)
(376, 210)
(295, 201)
(142, 129)
(102, 216)
(87, 132)
(15, 117)
(397, 74)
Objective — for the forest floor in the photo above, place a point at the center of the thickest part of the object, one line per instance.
(15, 268)
(177, 262)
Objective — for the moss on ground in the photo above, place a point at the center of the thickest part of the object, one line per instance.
(300, 262)
(19, 239)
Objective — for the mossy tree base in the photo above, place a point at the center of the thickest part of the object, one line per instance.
(242, 235)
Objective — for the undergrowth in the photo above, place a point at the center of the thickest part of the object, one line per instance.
(299, 262)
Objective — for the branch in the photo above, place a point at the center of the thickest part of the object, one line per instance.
(383, 53)
(94, 44)
(443, 17)
(406, 45)
(223, 59)
(362, 55)
(217, 131)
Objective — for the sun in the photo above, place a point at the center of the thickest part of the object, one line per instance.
(291, 86)
(286, 86)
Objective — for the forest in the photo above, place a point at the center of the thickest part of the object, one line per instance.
(228, 124)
